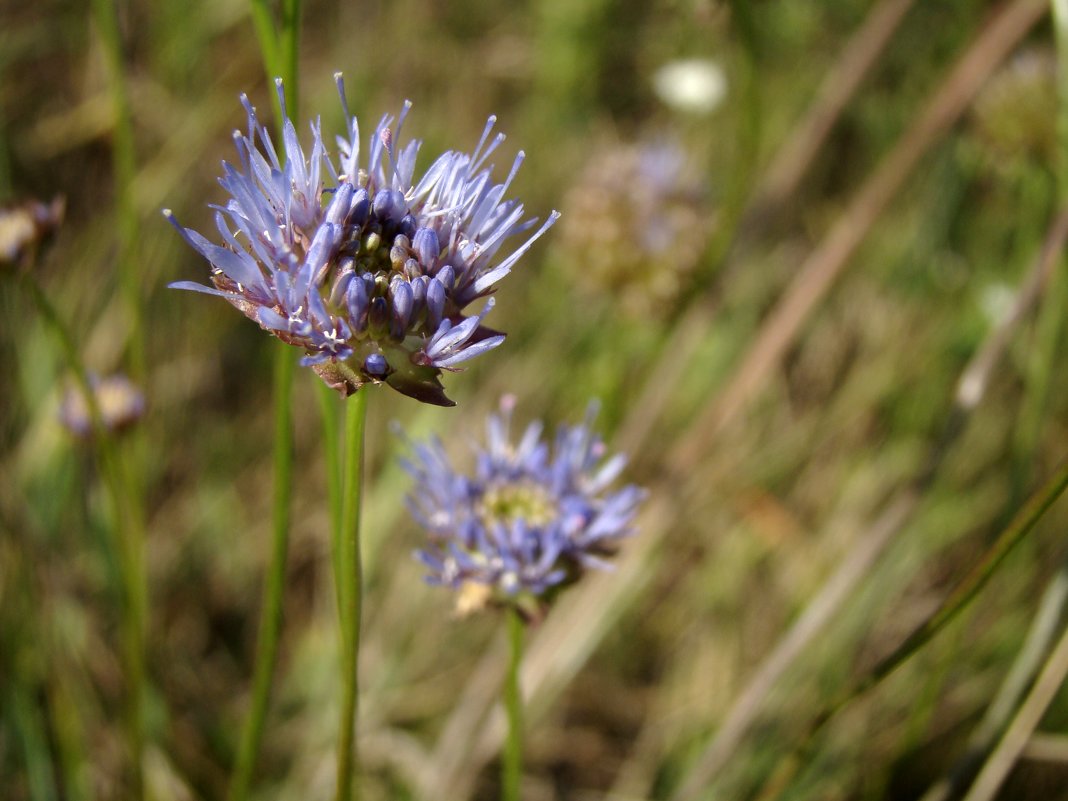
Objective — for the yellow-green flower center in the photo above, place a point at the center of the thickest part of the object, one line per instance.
(507, 503)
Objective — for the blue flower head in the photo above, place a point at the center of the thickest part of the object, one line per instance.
(367, 269)
(530, 519)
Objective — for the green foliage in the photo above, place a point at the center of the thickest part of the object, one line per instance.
(626, 688)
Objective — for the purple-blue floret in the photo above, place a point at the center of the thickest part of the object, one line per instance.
(366, 269)
(533, 515)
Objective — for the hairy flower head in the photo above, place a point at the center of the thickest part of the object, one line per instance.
(530, 518)
(365, 267)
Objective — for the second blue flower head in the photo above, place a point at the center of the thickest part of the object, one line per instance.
(530, 517)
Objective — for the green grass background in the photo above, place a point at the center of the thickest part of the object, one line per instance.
(748, 523)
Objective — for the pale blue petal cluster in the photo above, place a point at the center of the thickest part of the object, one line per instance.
(533, 515)
(119, 402)
(365, 268)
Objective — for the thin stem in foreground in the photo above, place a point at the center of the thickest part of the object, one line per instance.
(124, 170)
(271, 47)
(350, 591)
(332, 453)
(274, 588)
(512, 770)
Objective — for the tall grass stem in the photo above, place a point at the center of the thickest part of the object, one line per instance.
(1042, 357)
(273, 48)
(513, 706)
(332, 453)
(350, 590)
(274, 587)
(124, 169)
(289, 50)
(1022, 524)
(126, 540)
(816, 275)
(748, 133)
(125, 479)
(1033, 652)
(1060, 31)
(267, 38)
(965, 591)
(1023, 726)
(29, 735)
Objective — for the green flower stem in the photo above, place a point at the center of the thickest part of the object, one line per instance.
(122, 478)
(513, 706)
(289, 50)
(284, 367)
(126, 542)
(65, 713)
(746, 161)
(274, 588)
(280, 48)
(130, 535)
(350, 590)
(332, 447)
(265, 35)
(124, 168)
(29, 736)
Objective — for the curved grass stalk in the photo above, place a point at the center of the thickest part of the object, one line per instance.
(1022, 524)
(1028, 662)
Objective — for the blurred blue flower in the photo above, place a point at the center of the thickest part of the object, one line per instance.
(638, 219)
(531, 519)
(120, 403)
(367, 269)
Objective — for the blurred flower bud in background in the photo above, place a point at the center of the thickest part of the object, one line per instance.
(25, 225)
(636, 224)
(120, 402)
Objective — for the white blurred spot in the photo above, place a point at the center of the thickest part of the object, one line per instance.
(694, 85)
(996, 301)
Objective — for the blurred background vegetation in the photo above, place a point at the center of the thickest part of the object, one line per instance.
(824, 317)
